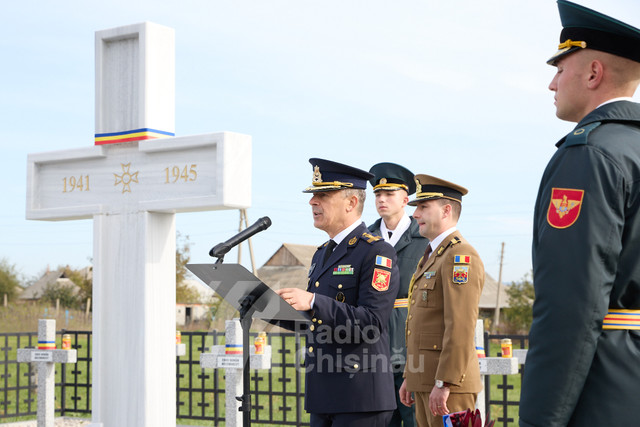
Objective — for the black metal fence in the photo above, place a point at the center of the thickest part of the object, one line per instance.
(503, 410)
(277, 394)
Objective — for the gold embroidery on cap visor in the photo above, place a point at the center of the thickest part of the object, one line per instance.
(390, 186)
(333, 185)
(427, 196)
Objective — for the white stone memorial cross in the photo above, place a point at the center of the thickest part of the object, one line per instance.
(45, 357)
(229, 358)
(131, 183)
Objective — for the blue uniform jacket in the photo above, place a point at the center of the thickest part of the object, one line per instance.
(347, 357)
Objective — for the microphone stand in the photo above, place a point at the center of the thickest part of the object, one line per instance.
(246, 312)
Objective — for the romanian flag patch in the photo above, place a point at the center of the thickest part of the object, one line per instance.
(383, 261)
(564, 207)
(461, 259)
(381, 279)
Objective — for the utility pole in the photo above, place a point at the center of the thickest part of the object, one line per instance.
(496, 316)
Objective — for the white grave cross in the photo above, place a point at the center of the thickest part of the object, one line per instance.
(132, 182)
(233, 368)
(45, 357)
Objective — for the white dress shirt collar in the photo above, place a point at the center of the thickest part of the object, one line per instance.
(344, 233)
(438, 240)
(402, 226)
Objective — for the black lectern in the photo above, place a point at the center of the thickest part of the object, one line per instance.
(252, 298)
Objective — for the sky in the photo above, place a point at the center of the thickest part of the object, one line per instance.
(456, 89)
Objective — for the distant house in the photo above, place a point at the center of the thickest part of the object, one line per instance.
(288, 267)
(34, 292)
(488, 299)
(188, 313)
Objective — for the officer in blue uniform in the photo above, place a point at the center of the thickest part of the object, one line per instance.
(353, 282)
(392, 186)
(583, 365)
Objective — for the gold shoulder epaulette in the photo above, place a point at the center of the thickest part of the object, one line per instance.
(370, 238)
(455, 240)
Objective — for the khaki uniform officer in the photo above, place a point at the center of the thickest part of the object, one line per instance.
(442, 367)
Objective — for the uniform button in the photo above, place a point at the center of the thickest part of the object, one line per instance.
(435, 346)
(312, 328)
(310, 349)
(413, 301)
(356, 366)
(340, 286)
(408, 332)
(314, 320)
(411, 316)
(317, 284)
(320, 322)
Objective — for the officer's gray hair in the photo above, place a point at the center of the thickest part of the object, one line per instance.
(360, 194)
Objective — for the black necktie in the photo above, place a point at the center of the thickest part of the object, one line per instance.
(327, 251)
(390, 233)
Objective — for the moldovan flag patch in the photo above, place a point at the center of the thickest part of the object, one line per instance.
(564, 208)
(381, 279)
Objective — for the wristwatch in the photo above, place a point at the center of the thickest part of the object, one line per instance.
(439, 383)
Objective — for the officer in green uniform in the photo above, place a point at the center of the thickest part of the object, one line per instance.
(583, 365)
(392, 186)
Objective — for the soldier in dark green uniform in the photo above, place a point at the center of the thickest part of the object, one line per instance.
(392, 186)
(583, 365)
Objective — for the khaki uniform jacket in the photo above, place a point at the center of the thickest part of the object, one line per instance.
(443, 309)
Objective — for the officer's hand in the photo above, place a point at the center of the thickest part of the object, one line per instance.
(438, 400)
(406, 397)
(297, 298)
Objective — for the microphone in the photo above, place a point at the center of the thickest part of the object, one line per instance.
(221, 249)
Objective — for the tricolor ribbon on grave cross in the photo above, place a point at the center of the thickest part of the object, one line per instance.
(233, 349)
(131, 135)
(46, 345)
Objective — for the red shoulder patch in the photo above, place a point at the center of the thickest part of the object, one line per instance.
(381, 279)
(564, 207)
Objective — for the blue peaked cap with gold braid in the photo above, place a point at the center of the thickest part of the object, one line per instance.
(330, 176)
(584, 28)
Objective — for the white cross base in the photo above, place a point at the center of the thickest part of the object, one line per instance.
(45, 361)
(232, 365)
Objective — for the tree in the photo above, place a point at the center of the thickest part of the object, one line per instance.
(9, 282)
(64, 293)
(82, 279)
(520, 313)
(184, 293)
(183, 256)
